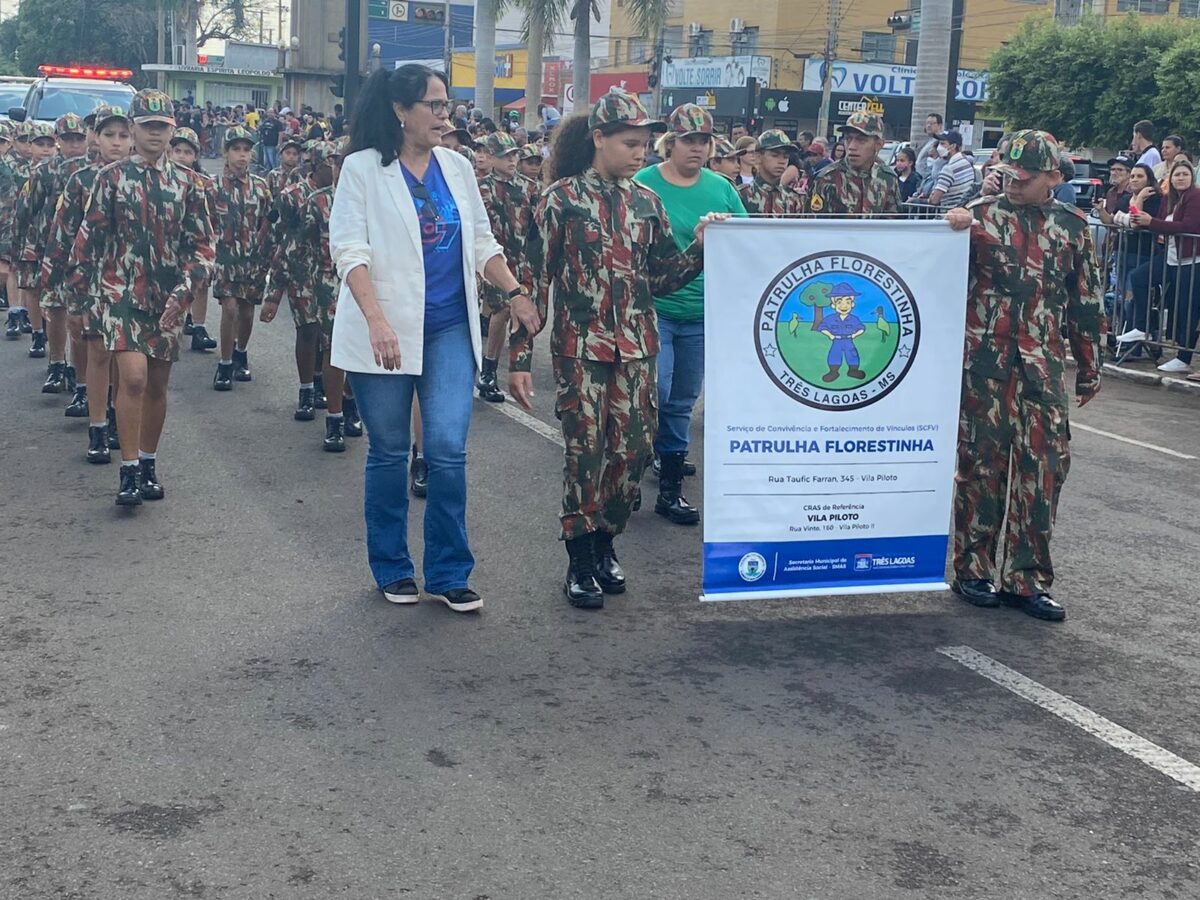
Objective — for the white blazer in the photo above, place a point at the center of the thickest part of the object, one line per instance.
(374, 224)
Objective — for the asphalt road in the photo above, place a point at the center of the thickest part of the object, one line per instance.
(206, 698)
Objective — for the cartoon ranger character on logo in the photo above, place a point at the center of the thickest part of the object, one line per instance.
(841, 329)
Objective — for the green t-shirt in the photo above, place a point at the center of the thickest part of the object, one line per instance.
(713, 193)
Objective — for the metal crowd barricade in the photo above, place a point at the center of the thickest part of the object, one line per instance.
(1151, 290)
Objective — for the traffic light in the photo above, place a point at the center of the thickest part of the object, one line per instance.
(341, 46)
(338, 88)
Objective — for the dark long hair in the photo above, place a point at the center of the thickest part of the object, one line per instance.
(572, 149)
(373, 125)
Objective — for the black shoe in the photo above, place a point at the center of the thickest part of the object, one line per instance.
(223, 379)
(56, 379)
(320, 401)
(69, 374)
(335, 437)
(77, 408)
(403, 592)
(12, 326)
(201, 342)
(462, 600)
(976, 591)
(689, 467)
(304, 406)
(670, 502)
(609, 574)
(1040, 605)
(637, 500)
(353, 426)
(114, 439)
(241, 366)
(581, 588)
(37, 349)
(130, 492)
(188, 327)
(152, 488)
(419, 475)
(488, 390)
(26, 325)
(97, 451)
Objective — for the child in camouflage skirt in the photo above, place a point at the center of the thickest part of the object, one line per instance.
(185, 152)
(15, 174)
(42, 146)
(145, 245)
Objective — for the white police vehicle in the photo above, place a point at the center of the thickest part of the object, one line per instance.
(72, 89)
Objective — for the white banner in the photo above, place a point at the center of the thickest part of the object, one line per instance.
(834, 351)
(716, 71)
(884, 80)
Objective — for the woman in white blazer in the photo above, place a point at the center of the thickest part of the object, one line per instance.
(408, 234)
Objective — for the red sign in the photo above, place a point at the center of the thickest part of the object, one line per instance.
(634, 82)
(552, 77)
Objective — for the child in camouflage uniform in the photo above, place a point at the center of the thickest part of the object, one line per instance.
(145, 245)
(858, 184)
(606, 249)
(16, 172)
(509, 199)
(111, 126)
(42, 147)
(185, 152)
(289, 171)
(6, 189)
(241, 223)
(767, 195)
(529, 164)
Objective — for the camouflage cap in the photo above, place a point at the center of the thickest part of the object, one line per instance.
(723, 149)
(342, 144)
(500, 144)
(106, 112)
(466, 151)
(321, 152)
(774, 139)
(292, 141)
(186, 136)
(464, 136)
(619, 107)
(6, 130)
(41, 130)
(238, 133)
(149, 105)
(868, 123)
(23, 131)
(690, 119)
(70, 124)
(529, 151)
(1028, 153)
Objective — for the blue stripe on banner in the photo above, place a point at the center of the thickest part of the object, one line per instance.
(805, 565)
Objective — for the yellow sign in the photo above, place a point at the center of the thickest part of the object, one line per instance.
(866, 104)
(510, 68)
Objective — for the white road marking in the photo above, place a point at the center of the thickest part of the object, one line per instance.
(1136, 443)
(1110, 732)
(509, 408)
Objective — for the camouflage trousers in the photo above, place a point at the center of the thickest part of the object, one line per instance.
(29, 275)
(609, 412)
(87, 309)
(304, 308)
(54, 298)
(125, 326)
(1014, 450)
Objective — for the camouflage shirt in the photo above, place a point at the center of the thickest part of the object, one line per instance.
(68, 217)
(278, 179)
(40, 200)
(289, 255)
(241, 225)
(771, 199)
(838, 189)
(8, 199)
(606, 249)
(313, 233)
(510, 204)
(1033, 276)
(145, 239)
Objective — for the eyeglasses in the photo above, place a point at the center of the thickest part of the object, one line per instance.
(437, 107)
(428, 207)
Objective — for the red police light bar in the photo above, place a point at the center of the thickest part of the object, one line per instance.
(87, 72)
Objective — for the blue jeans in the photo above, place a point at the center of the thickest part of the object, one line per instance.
(385, 403)
(680, 378)
(271, 157)
(1181, 298)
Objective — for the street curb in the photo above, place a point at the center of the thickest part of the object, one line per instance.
(1182, 386)
(1138, 376)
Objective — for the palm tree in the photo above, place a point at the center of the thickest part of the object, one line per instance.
(485, 56)
(647, 17)
(543, 19)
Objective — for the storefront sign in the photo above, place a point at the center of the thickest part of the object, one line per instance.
(716, 71)
(880, 79)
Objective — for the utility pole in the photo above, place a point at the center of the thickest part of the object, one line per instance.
(659, 64)
(833, 23)
(160, 77)
(447, 55)
(353, 53)
(933, 66)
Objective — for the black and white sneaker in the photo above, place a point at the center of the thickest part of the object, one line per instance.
(403, 592)
(462, 600)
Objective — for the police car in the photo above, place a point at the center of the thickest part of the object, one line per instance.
(72, 89)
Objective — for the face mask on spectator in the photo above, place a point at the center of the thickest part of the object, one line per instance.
(943, 152)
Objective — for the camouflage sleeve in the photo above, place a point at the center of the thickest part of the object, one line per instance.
(261, 250)
(196, 253)
(39, 194)
(669, 268)
(1085, 316)
(67, 218)
(21, 213)
(548, 234)
(89, 242)
(797, 203)
(891, 196)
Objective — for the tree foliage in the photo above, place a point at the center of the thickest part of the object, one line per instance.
(117, 33)
(1088, 83)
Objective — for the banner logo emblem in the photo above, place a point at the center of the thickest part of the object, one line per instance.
(837, 330)
(752, 567)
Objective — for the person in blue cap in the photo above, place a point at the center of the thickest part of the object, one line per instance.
(842, 328)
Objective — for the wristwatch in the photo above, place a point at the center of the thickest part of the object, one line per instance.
(516, 292)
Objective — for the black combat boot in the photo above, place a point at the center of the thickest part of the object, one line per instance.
(77, 408)
(12, 327)
(201, 342)
(130, 492)
(354, 426)
(304, 406)
(37, 349)
(320, 401)
(26, 325)
(241, 366)
(671, 503)
(98, 451)
(581, 587)
(609, 574)
(152, 488)
(223, 379)
(114, 439)
(689, 467)
(335, 437)
(188, 326)
(69, 374)
(487, 387)
(56, 379)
